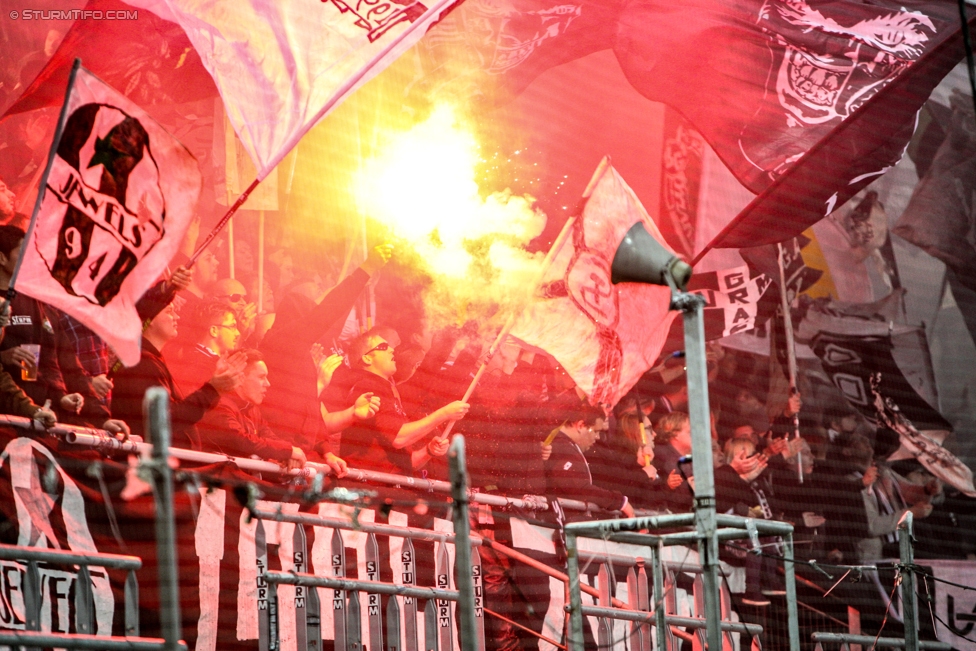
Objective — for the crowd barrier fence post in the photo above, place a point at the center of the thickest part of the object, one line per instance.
(463, 577)
(909, 597)
(156, 408)
(692, 305)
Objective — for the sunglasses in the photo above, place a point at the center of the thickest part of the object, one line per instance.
(381, 347)
(233, 298)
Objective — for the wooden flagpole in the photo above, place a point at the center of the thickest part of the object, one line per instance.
(230, 251)
(223, 222)
(510, 322)
(62, 118)
(790, 352)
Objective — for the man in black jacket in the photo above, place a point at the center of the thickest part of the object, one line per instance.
(303, 318)
(567, 471)
(236, 428)
(186, 411)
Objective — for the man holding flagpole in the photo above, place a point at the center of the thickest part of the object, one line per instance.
(117, 195)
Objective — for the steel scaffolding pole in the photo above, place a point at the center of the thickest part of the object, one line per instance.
(156, 409)
(691, 306)
(909, 596)
(463, 580)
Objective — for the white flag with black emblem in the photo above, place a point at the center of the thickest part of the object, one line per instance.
(605, 336)
(118, 196)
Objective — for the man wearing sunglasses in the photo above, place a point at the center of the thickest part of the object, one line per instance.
(234, 294)
(388, 442)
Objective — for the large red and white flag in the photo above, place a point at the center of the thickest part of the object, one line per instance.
(281, 67)
(605, 336)
(117, 201)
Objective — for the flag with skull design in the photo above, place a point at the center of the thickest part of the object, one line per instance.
(118, 196)
(804, 102)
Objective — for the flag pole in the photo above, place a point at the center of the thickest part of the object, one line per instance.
(223, 222)
(11, 292)
(260, 262)
(230, 251)
(790, 352)
(510, 322)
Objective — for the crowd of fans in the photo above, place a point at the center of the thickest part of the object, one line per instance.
(297, 383)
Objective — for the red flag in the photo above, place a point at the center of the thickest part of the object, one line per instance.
(117, 199)
(149, 59)
(605, 336)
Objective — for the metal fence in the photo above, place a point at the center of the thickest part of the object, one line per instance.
(33, 560)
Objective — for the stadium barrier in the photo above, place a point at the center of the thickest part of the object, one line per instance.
(636, 609)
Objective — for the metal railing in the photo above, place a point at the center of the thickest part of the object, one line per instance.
(107, 443)
(731, 527)
(438, 617)
(909, 600)
(156, 406)
(638, 612)
(844, 641)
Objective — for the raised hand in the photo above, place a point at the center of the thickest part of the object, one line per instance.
(227, 375)
(378, 257)
(247, 316)
(327, 367)
(366, 406)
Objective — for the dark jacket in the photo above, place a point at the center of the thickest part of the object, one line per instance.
(13, 400)
(32, 322)
(195, 369)
(236, 428)
(131, 385)
(614, 467)
(291, 406)
(502, 443)
(568, 475)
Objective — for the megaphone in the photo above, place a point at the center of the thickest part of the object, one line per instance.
(642, 259)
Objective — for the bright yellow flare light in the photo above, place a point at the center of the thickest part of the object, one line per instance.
(424, 181)
(422, 187)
